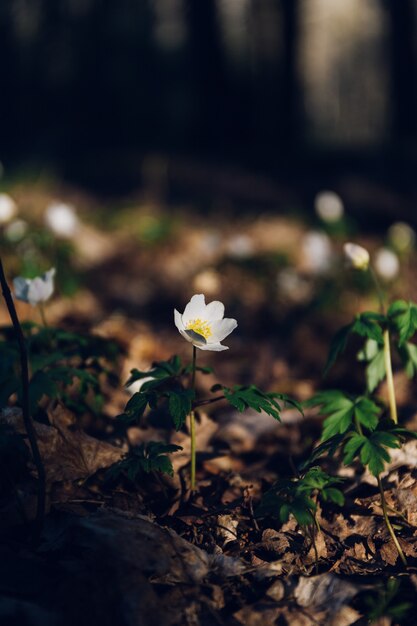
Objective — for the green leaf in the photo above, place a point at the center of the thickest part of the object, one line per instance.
(404, 317)
(352, 447)
(135, 407)
(41, 384)
(160, 371)
(337, 346)
(371, 450)
(334, 495)
(408, 354)
(327, 447)
(180, 405)
(342, 411)
(243, 398)
(373, 355)
(150, 457)
(368, 325)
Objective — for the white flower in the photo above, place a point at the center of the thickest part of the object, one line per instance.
(62, 219)
(35, 290)
(203, 324)
(387, 264)
(356, 256)
(317, 252)
(329, 206)
(8, 208)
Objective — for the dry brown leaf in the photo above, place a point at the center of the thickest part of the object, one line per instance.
(67, 454)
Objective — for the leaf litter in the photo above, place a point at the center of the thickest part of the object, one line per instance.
(152, 552)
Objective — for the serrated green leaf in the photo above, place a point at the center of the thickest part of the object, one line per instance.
(342, 410)
(243, 398)
(367, 412)
(160, 371)
(337, 346)
(327, 447)
(180, 405)
(368, 325)
(352, 447)
(404, 317)
(371, 450)
(334, 495)
(373, 355)
(408, 354)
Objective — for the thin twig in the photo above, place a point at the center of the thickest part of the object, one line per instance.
(30, 429)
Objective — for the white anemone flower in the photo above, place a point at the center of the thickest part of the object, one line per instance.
(356, 256)
(36, 290)
(204, 325)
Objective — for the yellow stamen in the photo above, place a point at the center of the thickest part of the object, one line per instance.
(200, 327)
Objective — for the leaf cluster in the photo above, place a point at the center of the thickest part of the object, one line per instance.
(63, 365)
(400, 321)
(297, 497)
(353, 423)
(243, 398)
(144, 459)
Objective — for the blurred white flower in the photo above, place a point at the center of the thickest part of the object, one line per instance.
(16, 230)
(203, 324)
(402, 236)
(8, 208)
(386, 263)
(294, 287)
(329, 206)
(356, 256)
(35, 290)
(316, 249)
(208, 280)
(240, 246)
(62, 219)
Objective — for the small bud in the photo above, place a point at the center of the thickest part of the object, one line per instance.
(356, 256)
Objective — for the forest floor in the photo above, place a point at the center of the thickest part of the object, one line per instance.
(150, 551)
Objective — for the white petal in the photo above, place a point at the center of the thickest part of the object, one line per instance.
(214, 311)
(216, 347)
(178, 320)
(187, 337)
(37, 291)
(21, 288)
(222, 328)
(196, 308)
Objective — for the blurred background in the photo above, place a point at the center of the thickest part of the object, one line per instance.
(152, 149)
(111, 94)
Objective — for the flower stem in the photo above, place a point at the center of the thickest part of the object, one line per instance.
(192, 423)
(390, 378)
(43, 316)
(385, 507)
(27, 419)
(388, 523)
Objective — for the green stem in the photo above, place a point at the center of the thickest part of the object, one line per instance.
(385, 508)
(192, 424)
(390, 378)
(388, 523)
(27, 419)
(43, 316)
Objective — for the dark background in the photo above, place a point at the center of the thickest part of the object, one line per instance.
(99, 91)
